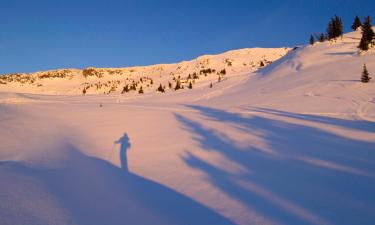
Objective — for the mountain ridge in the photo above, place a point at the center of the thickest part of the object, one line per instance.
(108, 80)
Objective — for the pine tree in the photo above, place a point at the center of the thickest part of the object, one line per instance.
(363, 44)
(330, 29)
(190, 85)
(261, 63)
(339, 26)
(322, 37)
(368, 29)
(211, 85)
(312, 40)
(133, 87)
(357, 23)
(335, 28)
(160, 89)
(178, 85)
(170, 85)
(367, 34)
(365, 75)
(125, 89)
(140, 90)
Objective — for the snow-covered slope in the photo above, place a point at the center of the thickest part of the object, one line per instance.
(323, 78)
(201, 71)
(292, 143)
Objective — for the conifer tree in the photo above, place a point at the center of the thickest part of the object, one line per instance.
(335, 28)
(140, 90)
(190, 85)
(363, 44)
(125, 89)
(322, 37)
(160, 89)
(367, 34)
(339, 26)
(368, 29)
(133, 87)
(178, 85)
(211, 85)
(365, 75)
(312, 40)
(330, 28)
(357, 23)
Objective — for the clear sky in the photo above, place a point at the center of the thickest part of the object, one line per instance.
(48, 34)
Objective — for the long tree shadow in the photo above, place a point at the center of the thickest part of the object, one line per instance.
(88, 190)
(353, 53)
(360, 125)
(303, 175)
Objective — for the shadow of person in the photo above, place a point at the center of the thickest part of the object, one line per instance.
(124, 147)
(92, 191)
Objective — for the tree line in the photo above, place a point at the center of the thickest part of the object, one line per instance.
(335, 30)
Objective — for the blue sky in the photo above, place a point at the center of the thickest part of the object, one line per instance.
(48, 34)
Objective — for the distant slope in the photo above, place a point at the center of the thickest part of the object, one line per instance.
(323, 78)
(203, 70)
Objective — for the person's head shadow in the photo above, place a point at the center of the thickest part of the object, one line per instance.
(124, 142)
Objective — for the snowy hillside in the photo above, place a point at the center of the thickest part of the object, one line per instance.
(291, 143)
(323, 78)
(201, 71)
